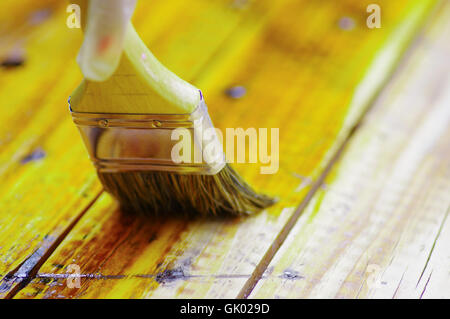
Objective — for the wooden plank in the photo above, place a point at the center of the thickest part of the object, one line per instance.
(47, 183)
(41, 193)
(379, 226)
(292, 73)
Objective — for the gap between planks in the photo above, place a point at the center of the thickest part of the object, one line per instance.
(19, 278)
(431, 253)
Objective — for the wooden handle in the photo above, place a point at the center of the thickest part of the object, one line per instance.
(140, 84)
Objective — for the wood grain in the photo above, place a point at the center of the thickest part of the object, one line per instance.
(47, 180)
(290, 60)
(379, 226)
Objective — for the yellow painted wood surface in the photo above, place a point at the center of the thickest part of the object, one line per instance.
(42, 198)
(379, 227)
(303, 74)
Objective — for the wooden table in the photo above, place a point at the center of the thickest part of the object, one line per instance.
(364, 177)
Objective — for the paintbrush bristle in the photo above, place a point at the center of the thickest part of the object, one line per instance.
(153, 193)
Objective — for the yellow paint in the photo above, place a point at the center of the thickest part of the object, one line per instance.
(300, 71)
(43, 197)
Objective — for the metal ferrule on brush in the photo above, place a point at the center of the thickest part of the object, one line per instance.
(119, 142)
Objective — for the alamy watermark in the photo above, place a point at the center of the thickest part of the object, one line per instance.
(374, 19)
(74, 18)
(205, 145)
(373, 280)
(74, 276)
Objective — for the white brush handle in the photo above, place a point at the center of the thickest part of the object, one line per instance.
(106, 26)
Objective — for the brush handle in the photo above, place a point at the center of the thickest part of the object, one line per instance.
(104, 36)
(140, 83)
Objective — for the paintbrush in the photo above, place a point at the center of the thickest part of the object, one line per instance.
(128, 120)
